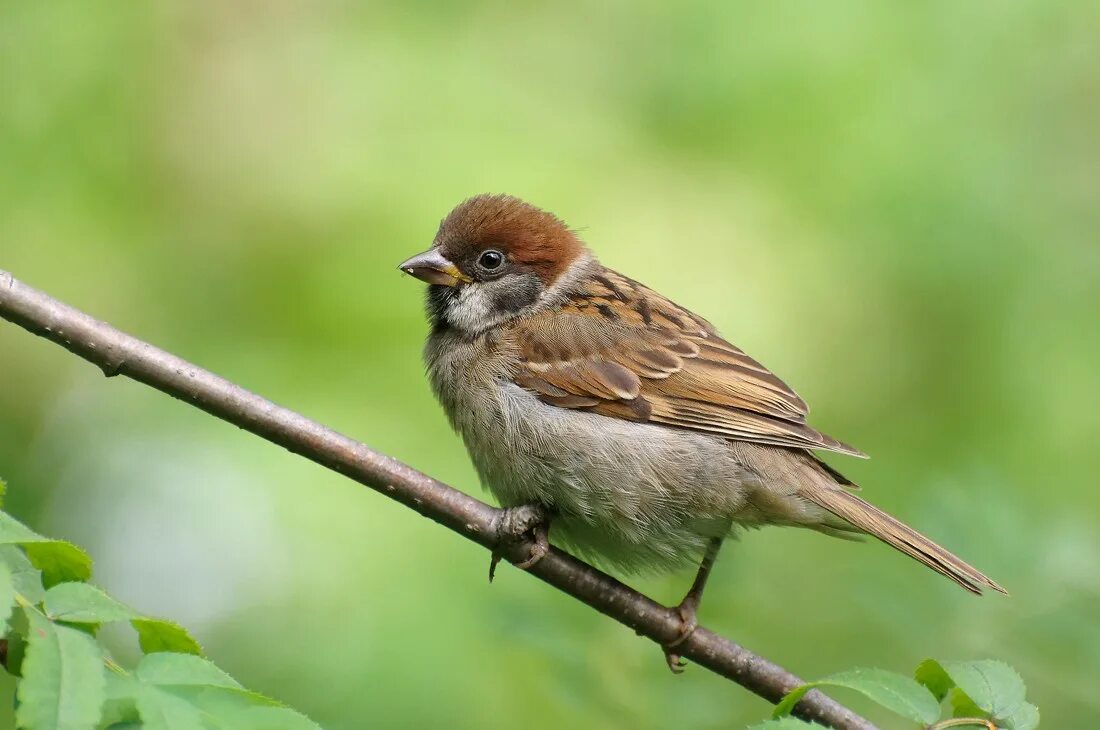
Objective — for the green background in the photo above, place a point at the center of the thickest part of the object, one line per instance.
(893, 206)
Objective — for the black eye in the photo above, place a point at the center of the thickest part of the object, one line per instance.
(491, 259)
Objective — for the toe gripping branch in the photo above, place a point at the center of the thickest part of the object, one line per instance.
(528, 523)
(689, 621)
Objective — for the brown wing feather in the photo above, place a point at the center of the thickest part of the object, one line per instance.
(622, 350)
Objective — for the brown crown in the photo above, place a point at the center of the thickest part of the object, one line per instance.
(526, 234)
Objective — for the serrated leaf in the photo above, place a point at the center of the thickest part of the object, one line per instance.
(25, 577)
(63, 685)
(934, 677)
(164, 668)
(284, 718)
(159, 635)
(7, 597)
(1024, 716)
(994, 686)
(59, 561)
(221, 701)
(783, 723)
(84, 603)
(898, 693)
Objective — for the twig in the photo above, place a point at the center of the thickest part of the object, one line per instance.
(117, 353)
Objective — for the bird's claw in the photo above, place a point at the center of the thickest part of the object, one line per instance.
(675, 662)
(538, 551)
(689, 621)
(520, 524)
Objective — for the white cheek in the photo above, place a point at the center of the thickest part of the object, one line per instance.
(471, 311)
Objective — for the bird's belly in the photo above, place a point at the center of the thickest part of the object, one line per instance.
(628, 495)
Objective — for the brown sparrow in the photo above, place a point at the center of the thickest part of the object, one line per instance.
(628, 418)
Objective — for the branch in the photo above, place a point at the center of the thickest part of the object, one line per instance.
(117, 353)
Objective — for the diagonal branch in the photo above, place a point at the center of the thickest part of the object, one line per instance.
(117, 353)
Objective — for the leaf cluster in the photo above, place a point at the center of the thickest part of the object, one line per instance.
(50, 616)
(981, 694)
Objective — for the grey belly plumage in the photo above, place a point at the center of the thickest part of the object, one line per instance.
(626, 495)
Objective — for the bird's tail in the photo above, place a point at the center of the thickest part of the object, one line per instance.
(893, 532)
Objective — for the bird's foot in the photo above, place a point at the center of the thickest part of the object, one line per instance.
(689, 621)
(528, 522)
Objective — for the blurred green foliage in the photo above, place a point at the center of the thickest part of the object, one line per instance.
(893, 206)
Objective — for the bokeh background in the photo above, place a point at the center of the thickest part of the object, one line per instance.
(895, 206)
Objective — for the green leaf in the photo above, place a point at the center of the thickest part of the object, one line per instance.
(240, 709)
(120, 687)
(934, 678)
(980, 689)
(159, 635)
(164, 668)
(120, 708)
(146, 706)
(1026, 717)
(895, 692)
(25, 577)
(7, 597)
(284, 718)
(962, 705)
(12, 531)
(783, 723)
(994, 686)
(59, 561)
(63, 683)
(162, 710)
(220, 701)
(3, 492)
(83, 603)
(179, 689)
(17, 649)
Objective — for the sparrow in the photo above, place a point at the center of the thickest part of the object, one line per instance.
(619, 416)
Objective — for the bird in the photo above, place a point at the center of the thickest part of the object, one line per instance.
(592, 403)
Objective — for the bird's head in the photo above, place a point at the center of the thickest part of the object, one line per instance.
(495, 257)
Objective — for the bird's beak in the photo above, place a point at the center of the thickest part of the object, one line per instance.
(434, 268)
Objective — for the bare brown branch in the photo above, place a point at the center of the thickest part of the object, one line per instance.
(117, 353)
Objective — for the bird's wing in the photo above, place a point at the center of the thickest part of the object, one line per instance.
(621, 350)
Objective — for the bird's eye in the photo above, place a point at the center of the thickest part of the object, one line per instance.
(491, 259)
